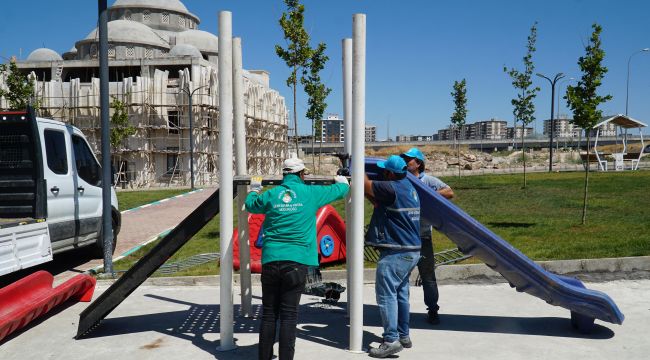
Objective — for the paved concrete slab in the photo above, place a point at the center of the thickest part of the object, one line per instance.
(479, 321)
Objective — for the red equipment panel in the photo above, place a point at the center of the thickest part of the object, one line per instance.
(330, 234)
(33, 296)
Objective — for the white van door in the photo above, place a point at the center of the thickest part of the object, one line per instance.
(87, 182)
(61, 207)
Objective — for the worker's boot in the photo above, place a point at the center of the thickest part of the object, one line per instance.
(386, 349)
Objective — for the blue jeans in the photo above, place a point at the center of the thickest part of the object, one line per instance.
(392, 291)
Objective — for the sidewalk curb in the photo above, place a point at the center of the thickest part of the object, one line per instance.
(590, 270)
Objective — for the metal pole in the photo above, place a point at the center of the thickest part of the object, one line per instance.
(550, 158)
(358, 165)
(627, 88)
(104, 105)
(191, 139)
(240, 161)
(225, 180)
(557, 77)
(347, 118)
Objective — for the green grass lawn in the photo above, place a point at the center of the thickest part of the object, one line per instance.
(131, 199)
(542, 221)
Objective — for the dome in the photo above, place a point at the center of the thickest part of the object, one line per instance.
(202, 40)
(44, 54)
(70, 54)
(185, 50)
(171, 5)
(126, 31)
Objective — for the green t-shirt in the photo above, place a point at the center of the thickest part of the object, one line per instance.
(290, 223)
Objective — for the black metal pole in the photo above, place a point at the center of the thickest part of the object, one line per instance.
(107, 228)
(557, 77)
(191, 141)
(550, 157)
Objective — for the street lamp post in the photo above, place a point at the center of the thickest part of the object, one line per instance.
(627, 91)
(189, 95)
(557, 77)
(559, 92)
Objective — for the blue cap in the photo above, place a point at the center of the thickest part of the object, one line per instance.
(414, 153)
(394, 164)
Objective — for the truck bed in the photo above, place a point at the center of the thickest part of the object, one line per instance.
(8, 222)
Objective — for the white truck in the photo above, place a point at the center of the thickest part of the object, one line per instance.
(50, 191)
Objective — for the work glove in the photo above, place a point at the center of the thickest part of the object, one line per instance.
(256, 184)
(341, 180)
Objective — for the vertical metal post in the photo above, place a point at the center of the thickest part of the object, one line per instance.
(225, 180)
(358, 166)
(189, 95)
(240, 162)
(557, 77)
(347, 121)
(550, 156)
(104, 105)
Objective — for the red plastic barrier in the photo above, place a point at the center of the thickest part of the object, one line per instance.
(33, 296)
(330, 227)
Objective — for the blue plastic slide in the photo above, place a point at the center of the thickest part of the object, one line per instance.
(522, 273)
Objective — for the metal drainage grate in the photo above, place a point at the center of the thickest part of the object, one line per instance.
(195, 260)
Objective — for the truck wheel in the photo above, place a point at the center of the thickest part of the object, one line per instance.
(98, 248)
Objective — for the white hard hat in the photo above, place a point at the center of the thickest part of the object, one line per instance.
(293, 165)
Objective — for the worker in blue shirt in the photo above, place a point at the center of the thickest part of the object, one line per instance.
(394, 231)
(426, 266)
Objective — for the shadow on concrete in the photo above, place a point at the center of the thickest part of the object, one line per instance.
(322, 324)
(42, 318)
(539, 326)
(191, 325)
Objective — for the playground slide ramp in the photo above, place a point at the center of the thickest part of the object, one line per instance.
(473, 238)
(90, 318)
(34, 296)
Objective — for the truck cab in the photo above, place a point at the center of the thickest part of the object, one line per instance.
(49, 177)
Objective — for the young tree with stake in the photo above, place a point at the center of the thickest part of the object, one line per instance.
(460, 113)
(583, 99)
(524, 108)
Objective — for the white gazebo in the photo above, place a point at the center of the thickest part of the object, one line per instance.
(623, 124)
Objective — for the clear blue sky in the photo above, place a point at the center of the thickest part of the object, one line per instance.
(415, 49)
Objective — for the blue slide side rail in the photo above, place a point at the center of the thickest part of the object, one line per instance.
(523, 274)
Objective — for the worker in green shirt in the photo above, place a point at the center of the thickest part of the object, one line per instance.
(288, 246)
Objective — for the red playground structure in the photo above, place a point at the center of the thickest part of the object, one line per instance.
(33, 296)
(330, 234)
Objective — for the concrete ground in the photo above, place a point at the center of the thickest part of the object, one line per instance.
(478, 321)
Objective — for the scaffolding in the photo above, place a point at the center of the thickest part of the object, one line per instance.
(158, 154)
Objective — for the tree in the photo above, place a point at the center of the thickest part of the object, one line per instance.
(524, 108)
(583, 99)
(298, 52)
(317, 92)
(20, 88)
(460, 113)
(120, 126)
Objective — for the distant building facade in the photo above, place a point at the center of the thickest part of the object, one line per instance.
(371, 133)
(332, 129)
(564, 128)
(156, 53)
(413, 138)
(519, 131)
